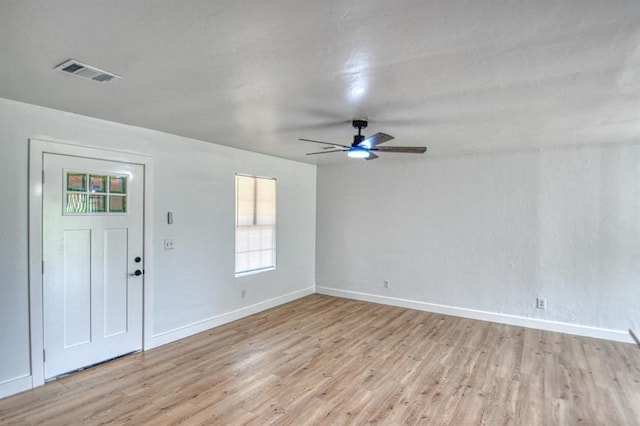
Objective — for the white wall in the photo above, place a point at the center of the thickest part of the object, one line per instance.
(483, 235)
(194, 285)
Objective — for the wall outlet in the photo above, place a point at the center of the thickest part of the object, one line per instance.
(385, 284)
(243, 294)
(541, 303)
(168, 244)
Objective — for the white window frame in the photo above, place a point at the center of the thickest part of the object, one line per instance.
(254, 225)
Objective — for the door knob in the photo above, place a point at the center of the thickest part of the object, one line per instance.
(137, 273)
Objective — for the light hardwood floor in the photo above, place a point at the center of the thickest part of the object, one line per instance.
(330, 361)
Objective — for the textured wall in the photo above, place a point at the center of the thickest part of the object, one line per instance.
(490, 232)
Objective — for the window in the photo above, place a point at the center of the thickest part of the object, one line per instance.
(255, 224)
(87, 193)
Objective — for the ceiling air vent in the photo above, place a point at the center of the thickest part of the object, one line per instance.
(74, 67)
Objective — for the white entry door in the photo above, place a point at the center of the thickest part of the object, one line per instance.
(92, 250)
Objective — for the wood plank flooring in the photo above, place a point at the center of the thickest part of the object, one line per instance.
(330, 361)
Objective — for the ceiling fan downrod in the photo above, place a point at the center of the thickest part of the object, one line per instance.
(359, 124)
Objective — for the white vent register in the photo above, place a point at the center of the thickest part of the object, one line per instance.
(74, 67)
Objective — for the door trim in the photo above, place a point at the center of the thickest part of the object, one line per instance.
(37, 149)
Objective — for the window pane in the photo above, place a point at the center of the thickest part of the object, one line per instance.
(242, 240)
(117, 203)
(266, 237)
(266, 205)
(245, 200)
(118, 184)
(76, 182)
(97, 183)
(76, 203)
(97, 203)
(241, 262)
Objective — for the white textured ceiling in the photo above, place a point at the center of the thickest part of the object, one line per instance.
(456, 76)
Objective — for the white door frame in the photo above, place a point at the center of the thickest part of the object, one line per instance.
(37, 149)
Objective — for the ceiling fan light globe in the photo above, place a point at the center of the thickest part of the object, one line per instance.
(358, 153)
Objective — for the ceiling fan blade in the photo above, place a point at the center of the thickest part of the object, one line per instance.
(325, 152)
(374, 140)
(405, 149)
(326, 143)
(371, 156)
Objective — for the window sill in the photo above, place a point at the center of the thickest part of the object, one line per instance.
(256, 271)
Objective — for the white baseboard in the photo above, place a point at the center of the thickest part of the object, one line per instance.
(218, 320)
(17, 385)
(560, 327)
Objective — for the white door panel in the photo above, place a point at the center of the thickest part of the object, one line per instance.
(115, 281)
(91, 238)
(75, 296)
